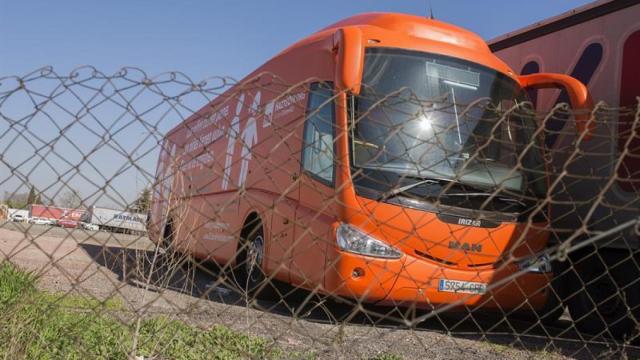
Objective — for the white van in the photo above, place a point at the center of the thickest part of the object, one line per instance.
(18, 218)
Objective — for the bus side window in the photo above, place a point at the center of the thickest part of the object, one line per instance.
(317, 153)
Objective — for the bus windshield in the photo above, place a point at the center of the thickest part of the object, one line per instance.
(434, 117)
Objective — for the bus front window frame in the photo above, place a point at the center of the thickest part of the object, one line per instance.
(539, 179)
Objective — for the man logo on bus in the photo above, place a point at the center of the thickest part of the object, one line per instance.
(465, 246)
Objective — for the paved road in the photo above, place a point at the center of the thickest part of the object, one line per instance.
(80, 235)
(104, 265)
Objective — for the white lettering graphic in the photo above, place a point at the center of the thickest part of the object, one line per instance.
(469, 222)
(233, 135)
(249, 138)
(200, 161)
(276, 109)
(268, 114)
(212, 119)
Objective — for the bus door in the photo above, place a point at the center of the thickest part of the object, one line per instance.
(317, 206)
(284, 117)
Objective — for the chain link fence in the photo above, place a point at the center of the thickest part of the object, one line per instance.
(159, 217)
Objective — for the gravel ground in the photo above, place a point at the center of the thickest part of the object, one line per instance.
(103, 265)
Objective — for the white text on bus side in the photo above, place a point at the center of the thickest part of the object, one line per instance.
(249, 138)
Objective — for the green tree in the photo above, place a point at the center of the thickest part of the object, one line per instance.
(143, 201)
(10, 203)
(16, 200)
(31, 198)
(70, 199)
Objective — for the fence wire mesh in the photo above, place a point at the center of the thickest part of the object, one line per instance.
(159, 217)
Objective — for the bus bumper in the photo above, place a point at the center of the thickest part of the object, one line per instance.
(411, 281)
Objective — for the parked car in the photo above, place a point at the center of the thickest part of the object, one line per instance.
(67, 223)
(40, 221)
(18, 218)
(89, 226)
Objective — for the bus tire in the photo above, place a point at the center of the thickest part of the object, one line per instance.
(171, 260)
(250, 277)
(607, 293)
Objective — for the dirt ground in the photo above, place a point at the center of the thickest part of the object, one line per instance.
(103, 265)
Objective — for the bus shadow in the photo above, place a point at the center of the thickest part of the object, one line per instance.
(142, 268)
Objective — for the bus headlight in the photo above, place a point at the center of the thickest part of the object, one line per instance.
(536, 264)
(354, 240)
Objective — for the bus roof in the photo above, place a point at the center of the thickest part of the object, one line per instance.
(559, 22)
(405, 24)
(416, 26)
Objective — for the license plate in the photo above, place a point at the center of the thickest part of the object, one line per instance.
(464, 287)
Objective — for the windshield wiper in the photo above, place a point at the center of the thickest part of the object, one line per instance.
(393, 192)
(478, 191)
(442, 182)
(446, 183)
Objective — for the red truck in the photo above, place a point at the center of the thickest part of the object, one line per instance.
(599, 44)
(57, 213)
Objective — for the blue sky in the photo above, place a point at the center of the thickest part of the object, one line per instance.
(204, 38)
(199, 38)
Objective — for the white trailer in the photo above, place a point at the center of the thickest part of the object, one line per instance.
(599, 44)
(118, 220)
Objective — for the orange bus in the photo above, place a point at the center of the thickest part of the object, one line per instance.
(379, 159)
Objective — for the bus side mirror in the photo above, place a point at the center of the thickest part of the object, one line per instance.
(578, 95)
(349, 60)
